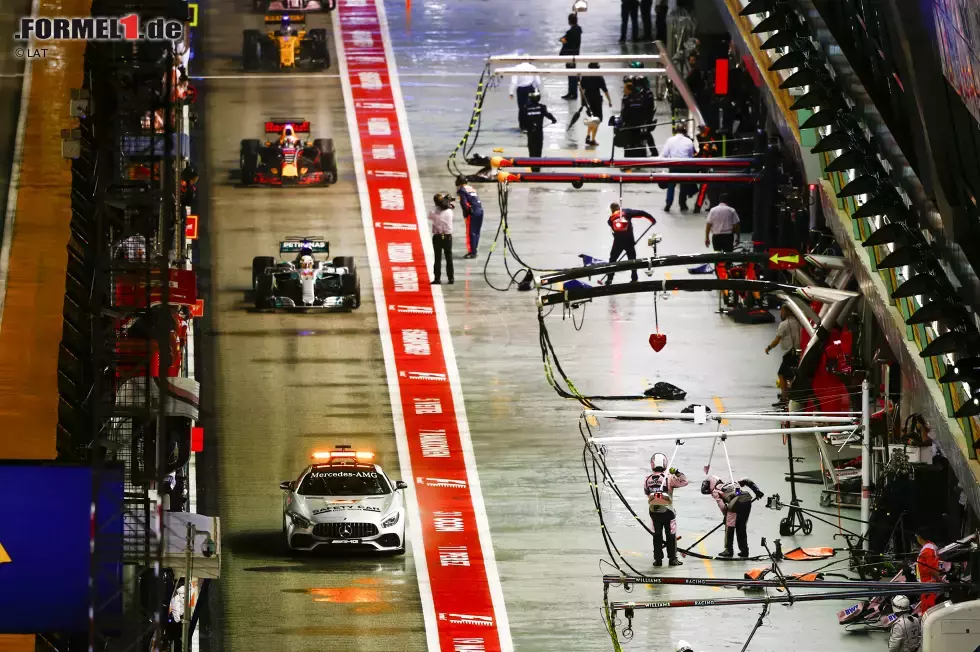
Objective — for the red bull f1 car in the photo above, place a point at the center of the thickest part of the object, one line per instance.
(287, 159)
(289, 47)
(295, 5)
(305, 282)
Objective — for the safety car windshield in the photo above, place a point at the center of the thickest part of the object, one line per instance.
(344, 482)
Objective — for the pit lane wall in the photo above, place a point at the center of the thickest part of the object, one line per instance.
(938, 402)
(33, 263)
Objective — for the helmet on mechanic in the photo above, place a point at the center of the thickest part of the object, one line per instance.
(658, 462)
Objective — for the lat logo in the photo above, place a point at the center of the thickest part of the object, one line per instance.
(467, 619)
(99, 28)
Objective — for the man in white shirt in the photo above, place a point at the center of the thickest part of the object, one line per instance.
(441, 223)
(788, 335)
(722, 226)
(522, 84)
(678, 146)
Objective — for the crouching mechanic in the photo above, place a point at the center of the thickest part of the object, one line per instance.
(906, 631)
(621, 222)
(736, 505)
(472, 207)
(659, 488)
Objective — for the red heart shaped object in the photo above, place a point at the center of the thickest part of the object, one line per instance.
(658, 341)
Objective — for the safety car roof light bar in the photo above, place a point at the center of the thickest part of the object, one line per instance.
(584, 72)
(626, 177)
(726, 434)
(615, 580)
(574, 58)
(810, 293)
(656, 162)
(807, 417)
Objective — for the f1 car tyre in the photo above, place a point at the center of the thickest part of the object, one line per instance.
(249, 160)
(320, 51)
(328, 159)
(259, 265)
(349, 283)
(251, 50)
(264, 292)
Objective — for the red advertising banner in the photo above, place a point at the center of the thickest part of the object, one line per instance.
(460, 589)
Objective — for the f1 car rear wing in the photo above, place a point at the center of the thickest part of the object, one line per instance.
(276, 125)
(294, 19)
(293, 245)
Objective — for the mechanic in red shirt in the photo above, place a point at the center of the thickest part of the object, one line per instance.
(927, 568)
(621, 222)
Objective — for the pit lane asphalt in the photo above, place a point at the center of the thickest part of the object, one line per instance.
(11, 81)
(545, 531)
(276, 390)
(277, 386)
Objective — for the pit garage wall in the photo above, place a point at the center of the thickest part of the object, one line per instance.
(937, 402)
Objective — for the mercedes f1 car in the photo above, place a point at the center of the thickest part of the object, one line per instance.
(288, 159)
(344, 500)
(305, 283)
(290, 47)
(295, 5)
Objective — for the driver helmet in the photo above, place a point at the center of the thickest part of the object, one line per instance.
(683, 646)
(288, 133)
(658, 462)
(284, 27)
(900, 604)
(534, 96)
(306, 262)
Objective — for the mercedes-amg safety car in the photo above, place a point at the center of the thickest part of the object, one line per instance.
(305, 282)
(295, 5)
(289, 47)
(344, 500)
(287, 159)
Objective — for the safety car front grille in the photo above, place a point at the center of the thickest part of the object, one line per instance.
(340, 530)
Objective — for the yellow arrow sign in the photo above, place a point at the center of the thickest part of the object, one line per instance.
(4, 557)
(776, 259)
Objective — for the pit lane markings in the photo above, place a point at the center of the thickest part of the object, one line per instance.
(720, 407)
(462, 603)
(13, 184)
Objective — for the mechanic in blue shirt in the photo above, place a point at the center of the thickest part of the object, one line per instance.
(469, 201)
(621, 222)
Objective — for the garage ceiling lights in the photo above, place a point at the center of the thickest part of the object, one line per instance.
(858, 153)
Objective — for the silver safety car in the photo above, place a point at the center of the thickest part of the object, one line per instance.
(344, 500)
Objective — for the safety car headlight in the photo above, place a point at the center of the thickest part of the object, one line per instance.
(300, 521)
(391, 520)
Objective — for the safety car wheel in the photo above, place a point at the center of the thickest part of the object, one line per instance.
(249, 160)
(251, 50)
(259, 265)
(328, 159)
